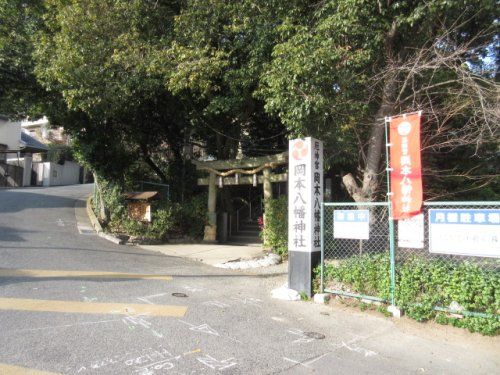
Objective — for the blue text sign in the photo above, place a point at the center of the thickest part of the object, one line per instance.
(351, 224)
(474, 232)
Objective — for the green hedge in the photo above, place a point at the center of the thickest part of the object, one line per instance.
(275, 228)
(422, 284)
(171, 220)
(368, 275)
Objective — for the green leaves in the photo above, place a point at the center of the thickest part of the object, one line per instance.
(157, 73)
(169, 219)
(196, 69)
(19, 90)
(275, 225)
(97, 53)
(422, 284)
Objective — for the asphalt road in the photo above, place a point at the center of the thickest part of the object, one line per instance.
(74, 303)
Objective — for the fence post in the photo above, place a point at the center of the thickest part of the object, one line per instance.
(322, 233)
(391, 222)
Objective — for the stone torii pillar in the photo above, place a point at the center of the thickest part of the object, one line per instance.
(233, 167)
(211, 228)
(268, 193)
(268, 188)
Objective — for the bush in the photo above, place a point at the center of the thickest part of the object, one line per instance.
(275, 228)
(169, 219)
(366, 274)
(163, 223)
(192, 217)
(58, 154)
(422, 284)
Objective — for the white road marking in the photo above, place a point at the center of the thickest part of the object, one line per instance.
(66, 325)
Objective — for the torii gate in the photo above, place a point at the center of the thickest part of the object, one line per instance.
(220, 172)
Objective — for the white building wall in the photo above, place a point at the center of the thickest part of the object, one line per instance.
(55, 174)
(10, 134)
(38, 168)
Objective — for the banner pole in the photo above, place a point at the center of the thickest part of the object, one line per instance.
(391, 221)
(322, 246)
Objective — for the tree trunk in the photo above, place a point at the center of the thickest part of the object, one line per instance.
(103, 212)
(366, 192)
(152, 165)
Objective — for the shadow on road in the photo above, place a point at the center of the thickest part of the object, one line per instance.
(9, 201)
(66, 248)
(10, 234)
(27, 279)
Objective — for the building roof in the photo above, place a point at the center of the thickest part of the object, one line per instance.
(31, 144)
(141, 195)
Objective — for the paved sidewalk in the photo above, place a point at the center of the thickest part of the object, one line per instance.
(211, 254)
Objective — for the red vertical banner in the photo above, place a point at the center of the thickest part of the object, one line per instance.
(406, 167)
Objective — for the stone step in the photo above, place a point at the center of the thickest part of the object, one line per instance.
(249, 225)
(252, 244)
(245, 240)
(247, 231)
(246, 235)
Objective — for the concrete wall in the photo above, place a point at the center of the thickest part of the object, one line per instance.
(54, 174)
(24, 162)
(11, 175)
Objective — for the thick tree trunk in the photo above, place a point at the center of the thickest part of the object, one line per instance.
(366, 192)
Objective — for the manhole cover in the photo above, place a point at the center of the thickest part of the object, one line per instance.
(314, 335)
(179, 294)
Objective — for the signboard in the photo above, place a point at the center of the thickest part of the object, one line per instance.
(406, 170)
(351, 224)
(140, 211)
(305, 194)
(474, 232)
(411, 232)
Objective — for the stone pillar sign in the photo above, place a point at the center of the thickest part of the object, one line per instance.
(211, 228)
(28, 164)
(305, 195)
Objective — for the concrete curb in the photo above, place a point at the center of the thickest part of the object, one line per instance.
(97, 226)
(269, 260)
(93, 219)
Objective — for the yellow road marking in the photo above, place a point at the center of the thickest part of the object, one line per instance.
(6, 272)
(91, 307)
(192, 352)
(16, 370)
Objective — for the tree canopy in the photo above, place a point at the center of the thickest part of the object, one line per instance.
(20, 93)
(338, 73)
(136, 81)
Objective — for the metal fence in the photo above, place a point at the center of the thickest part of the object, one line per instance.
(162, 189)
(348, 255)
(369, 267)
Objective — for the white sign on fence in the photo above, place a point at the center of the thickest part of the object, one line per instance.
(305, 194)
(351, 224)
(411, 232)
(474, 232)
